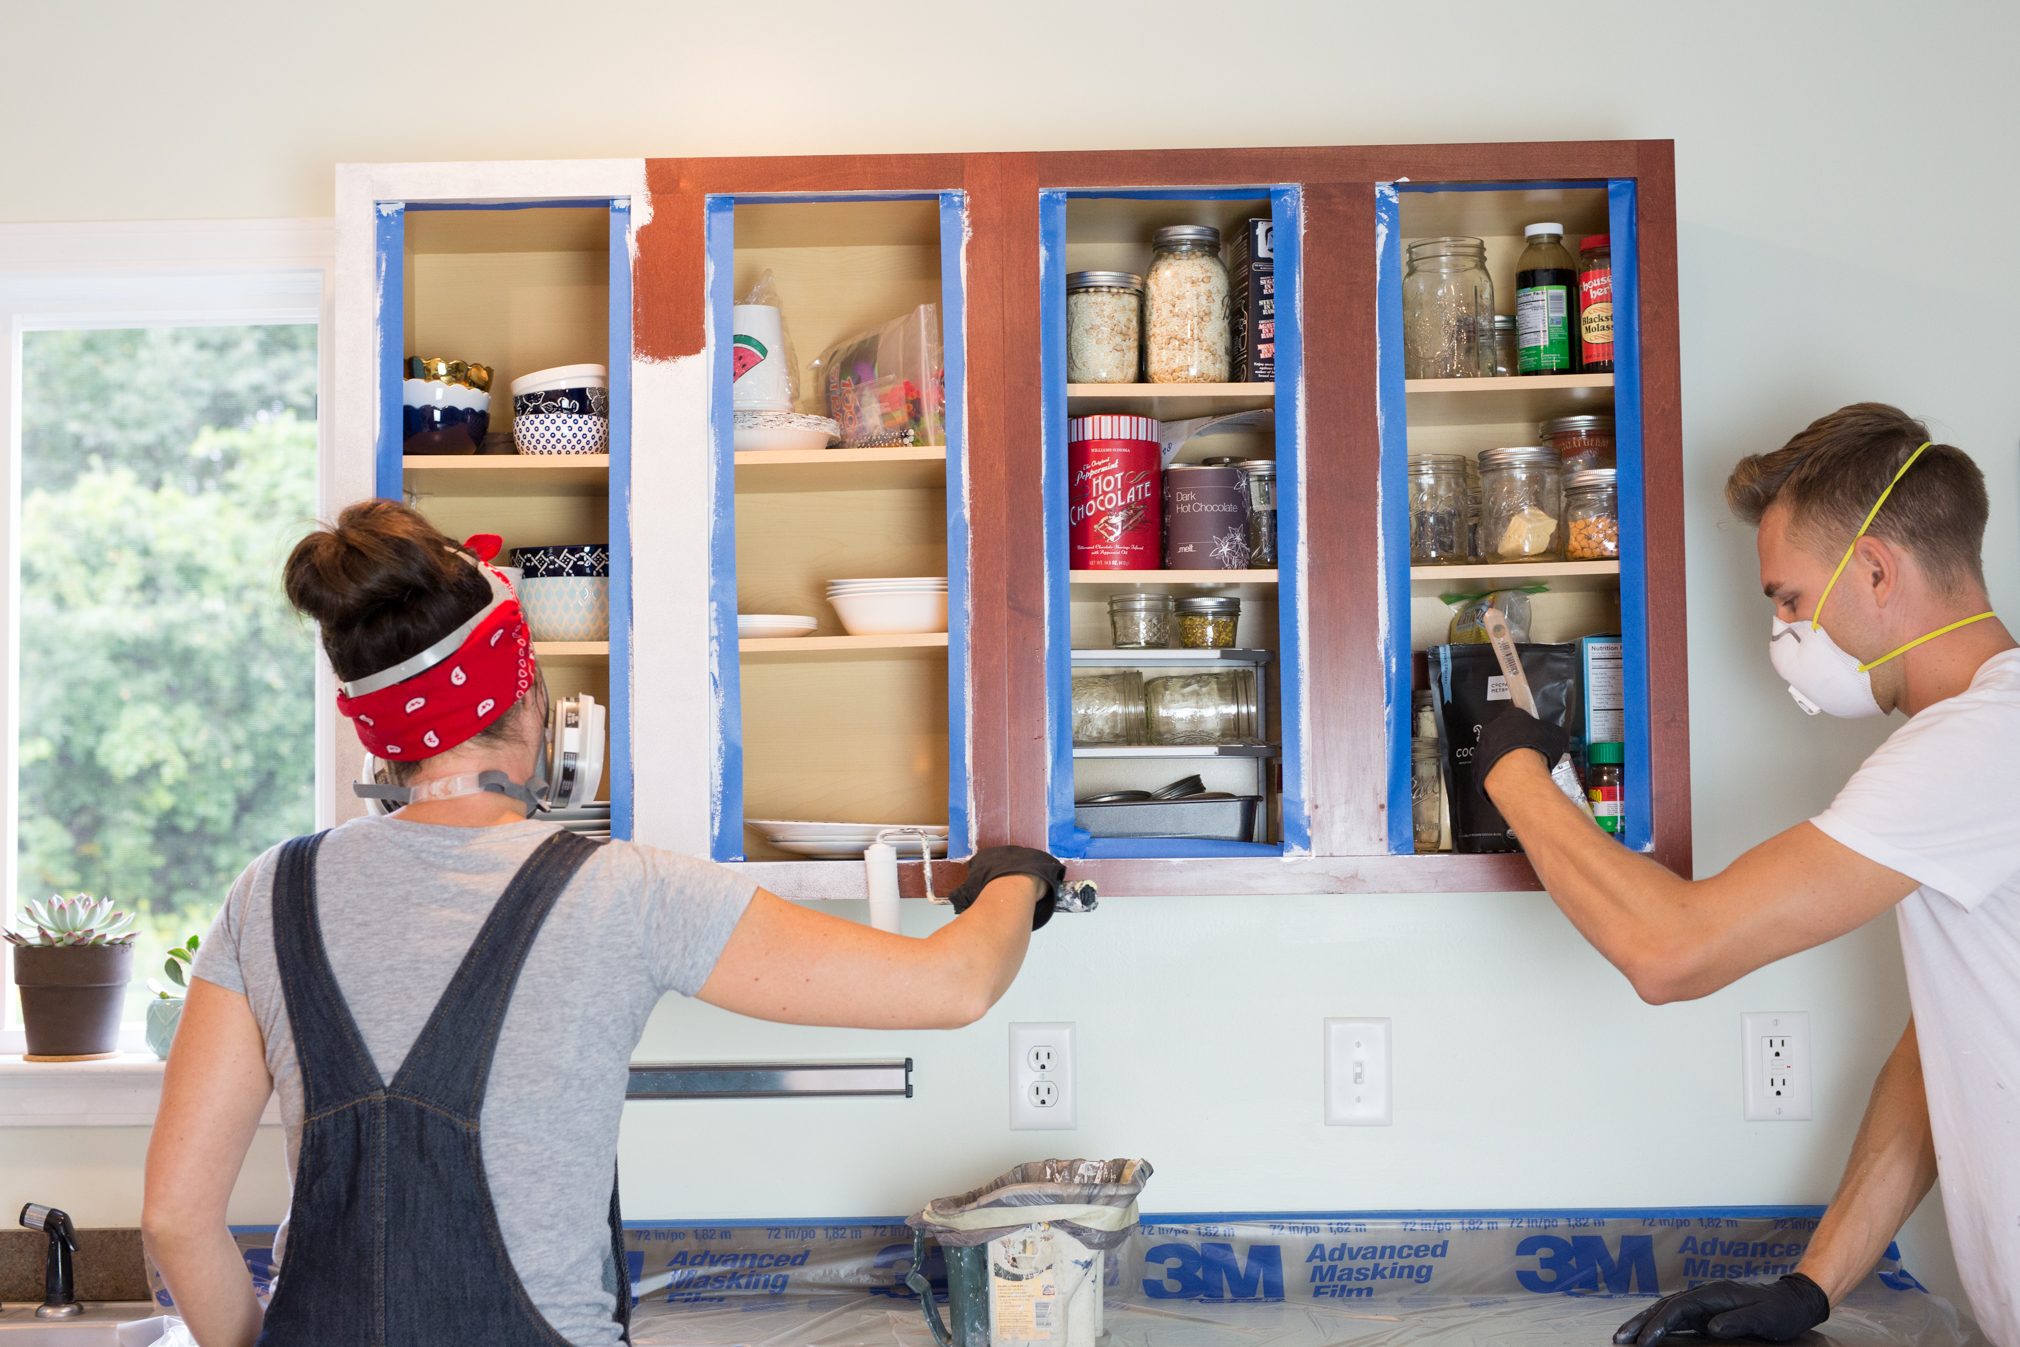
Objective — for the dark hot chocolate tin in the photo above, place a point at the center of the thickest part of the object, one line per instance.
(1205, 518)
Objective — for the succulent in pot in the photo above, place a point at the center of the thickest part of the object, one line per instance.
(164, 1012)
(72, 961)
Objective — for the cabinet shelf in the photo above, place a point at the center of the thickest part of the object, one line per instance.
(1539, 397)
(778, 649)
(1216, 584)
(1168, 402)
(841, 469)
(507, 474)
(1108, 658)
(1428, 582)
(1177, 750)
(571, 654)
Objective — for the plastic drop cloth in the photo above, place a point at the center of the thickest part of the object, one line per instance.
(1092, 1200)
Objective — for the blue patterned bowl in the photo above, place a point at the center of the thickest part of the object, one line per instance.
(563, 559)
(560, 433)
(566, 607)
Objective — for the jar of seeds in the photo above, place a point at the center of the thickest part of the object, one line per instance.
(1103, 326)
(1186, 332)
(1592, 515)
(1208, 624)
(1140, 621)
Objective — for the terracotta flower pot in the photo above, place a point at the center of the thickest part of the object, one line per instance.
(71, 996)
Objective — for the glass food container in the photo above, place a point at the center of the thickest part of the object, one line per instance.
(1592, 516)
(1260, 476)
(1473, 546)
(1108, 708)
(1104, 327)
(1448, 310)
(1438, 498)
(1522, 504)
(1203, 708)
(1581, 441)
(1208, 624)
(1186, 330)
(1505, 358)
(1427, 794)
(1140, 621)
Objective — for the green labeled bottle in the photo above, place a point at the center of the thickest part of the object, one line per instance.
(1546, 288)
(1604, 779)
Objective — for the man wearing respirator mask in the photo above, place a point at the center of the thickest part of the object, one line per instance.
(1869, 550)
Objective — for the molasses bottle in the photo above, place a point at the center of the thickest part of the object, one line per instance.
(1546, 303)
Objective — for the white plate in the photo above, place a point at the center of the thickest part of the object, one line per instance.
(763, 431)
(762, 626)
(908, 583)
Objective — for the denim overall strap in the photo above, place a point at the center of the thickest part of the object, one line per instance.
(337, 1069)
(394, 1240)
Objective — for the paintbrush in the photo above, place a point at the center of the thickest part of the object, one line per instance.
(1563, 773)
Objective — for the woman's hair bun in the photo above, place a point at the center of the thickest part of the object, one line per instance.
(383, 584)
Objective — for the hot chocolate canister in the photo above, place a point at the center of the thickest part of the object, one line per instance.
(1205, 518)
(1113, 493)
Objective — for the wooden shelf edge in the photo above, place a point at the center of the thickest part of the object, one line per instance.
(1561, 576)
(571, 652)
(1445, 872)
(1171, 577)
(831, 881)
(531, 464)
(1136, 392)
(758, 458)
(816, 646)
(1507, 383)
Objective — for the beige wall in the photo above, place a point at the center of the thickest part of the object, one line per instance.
(1846, 196)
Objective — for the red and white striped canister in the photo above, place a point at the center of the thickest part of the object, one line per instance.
(1114, 493)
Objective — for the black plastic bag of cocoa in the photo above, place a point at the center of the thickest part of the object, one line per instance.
(1467, 689)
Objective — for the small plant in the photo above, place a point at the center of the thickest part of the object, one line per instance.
(82, 920)
(179, 957)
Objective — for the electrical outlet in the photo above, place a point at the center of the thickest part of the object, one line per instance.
(1042, 1097)
(1775, 1066)
(1357, 1073)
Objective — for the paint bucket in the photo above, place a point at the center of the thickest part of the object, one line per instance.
(1205, 518)
(1113, 493)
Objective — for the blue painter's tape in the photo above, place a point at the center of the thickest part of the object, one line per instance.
(1573, 184)
(1170, 194)
(1393, 419)
(1627, 450)
(390, 243)
(1170, 848)
(1287, 236)
(1062, 839)
(1471, 1213)
(619, 364)
(954, 341)
(829, 198)
(724, 664)
(564, 203)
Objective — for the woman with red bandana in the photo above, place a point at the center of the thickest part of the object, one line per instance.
(446, 997)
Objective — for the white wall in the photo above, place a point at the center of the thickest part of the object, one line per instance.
(1845, 197)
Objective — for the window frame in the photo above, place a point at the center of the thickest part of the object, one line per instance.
(183, 273)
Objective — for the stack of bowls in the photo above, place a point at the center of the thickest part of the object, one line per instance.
(564, 410)
(906, 606)
(443, 417)
(565, 592)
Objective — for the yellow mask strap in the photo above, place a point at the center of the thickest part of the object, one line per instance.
(1816, 613)
(1875, 663)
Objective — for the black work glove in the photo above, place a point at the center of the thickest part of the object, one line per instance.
(995, 862)
(1777, 1311)
(1508, 731)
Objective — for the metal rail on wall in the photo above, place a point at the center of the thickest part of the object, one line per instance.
(769, 1080)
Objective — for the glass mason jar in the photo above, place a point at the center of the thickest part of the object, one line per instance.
(1438, 510)
(1186, 327)
(1104, 327)
(1427, 794)
(1140, 621)
(1473, 546)
(1208, 624)
(1522, 504)
(1583, 442)
(1205, 708)
(1592, 516)
(1448, 310)
(1108, 708)
(1505, 358)
(1260, 476)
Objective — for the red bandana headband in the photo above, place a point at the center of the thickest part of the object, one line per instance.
(455, 688)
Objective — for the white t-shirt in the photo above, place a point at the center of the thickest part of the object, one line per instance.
(1940, 802)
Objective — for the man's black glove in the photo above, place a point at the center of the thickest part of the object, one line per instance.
(995, 862)
(1777, 1311)
(1514, 729)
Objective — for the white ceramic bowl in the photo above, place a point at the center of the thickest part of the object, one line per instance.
(561, 433)
(760, 431)
(891, 614)
(908, 584)
(566, 607)
(765, 626)
(561, 376)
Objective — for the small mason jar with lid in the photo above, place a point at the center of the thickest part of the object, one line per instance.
(1581, 441)
(1592, 515)
(1522, 504)
(1186, 331)
(1140, 621)
(1208, 624)
(1438, 510)
(1104, 327)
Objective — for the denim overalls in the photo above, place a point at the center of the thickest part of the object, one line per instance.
(393, 1241)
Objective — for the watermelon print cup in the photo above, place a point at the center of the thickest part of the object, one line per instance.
(757, 360)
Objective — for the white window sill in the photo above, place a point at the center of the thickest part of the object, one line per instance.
(122, 1091)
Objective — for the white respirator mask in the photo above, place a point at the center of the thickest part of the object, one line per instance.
(1822, 677)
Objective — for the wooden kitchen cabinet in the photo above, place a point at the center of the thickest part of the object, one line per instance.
(975, 733)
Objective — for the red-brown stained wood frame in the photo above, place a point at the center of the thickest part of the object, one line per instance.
(1346, 780)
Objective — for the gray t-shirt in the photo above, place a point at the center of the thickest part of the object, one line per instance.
(400, 904)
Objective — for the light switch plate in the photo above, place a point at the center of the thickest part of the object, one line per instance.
(1357, 1073)
(1775, 1062)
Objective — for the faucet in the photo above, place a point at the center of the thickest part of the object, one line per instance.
(59, 1290)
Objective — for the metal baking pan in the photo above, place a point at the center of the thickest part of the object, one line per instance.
(1229, 818)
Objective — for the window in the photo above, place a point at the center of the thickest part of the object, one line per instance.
(164, 695)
